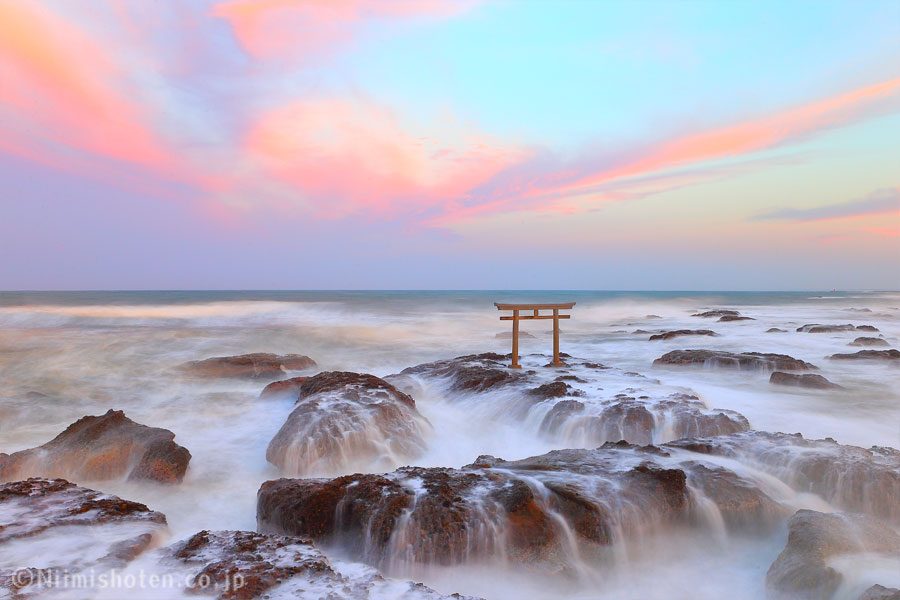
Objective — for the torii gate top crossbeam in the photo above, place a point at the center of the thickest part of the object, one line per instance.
(536, 308)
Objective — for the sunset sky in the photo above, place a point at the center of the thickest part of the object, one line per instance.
(353, 144)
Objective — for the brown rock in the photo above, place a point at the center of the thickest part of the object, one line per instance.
(718, 313)
(879, 592)
(255, 366)
(807, 380)
(891, 354)
(668, 335)
(730, 360)
(775, 330)
(470, 373)
(111, 446)
(869, 341)
(726, 318)
(285, 387)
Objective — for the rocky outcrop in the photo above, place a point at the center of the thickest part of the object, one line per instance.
(243, 565)
(110, 446)
(260, 365)
(512, 508)
(776, 330)
(816, 328)
(726, 318)
(345, 421)
(806, 380)
(802, 571)
(668, 335)
(730, 360)
(891, 354)
(285, 387)
(717, 313)
(470, 373)
(39, 512)
(869, 341)
(848, 477)
(879, 592)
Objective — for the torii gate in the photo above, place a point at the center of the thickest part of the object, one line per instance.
(515, 318)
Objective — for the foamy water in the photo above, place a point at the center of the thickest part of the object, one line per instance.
(64, 356)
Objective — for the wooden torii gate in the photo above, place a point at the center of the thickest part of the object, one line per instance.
(515, 318)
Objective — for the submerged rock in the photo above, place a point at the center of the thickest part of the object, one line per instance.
(344, 421)
(848, 477)
(731, 360)
(814, 538)
(284, 387)
(776, 330)
(891, 354)
(242, 565)
(472, 373)
(668, 335)
(255, 366)
(95, 530)
(523, 510)
(110, 446)
(726, 318)
(869, 341)
(816, 328)
(718, 313)
(807, 380)
(879, 592)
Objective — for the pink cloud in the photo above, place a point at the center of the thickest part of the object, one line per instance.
(286, 28)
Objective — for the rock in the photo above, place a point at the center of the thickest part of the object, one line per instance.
(255, 366)
(471, 373)
(879, 592)
(869, 341)
(814, 538)
(775, 330)
(285, 387)
(668, 335)
(450, 516)
(807, 380)
(816, 328)
(848, 477)
(555, 389)
(718, 313)
(726, 318)
(243, 565)
(891, 354)
(93, 529)
(866, 328)
(652, 317)
(730, 360)
(111, 446)
(344, 421)
(507, 335)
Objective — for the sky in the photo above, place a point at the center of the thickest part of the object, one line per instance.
(465, 144)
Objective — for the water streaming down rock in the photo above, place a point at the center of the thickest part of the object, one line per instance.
(550, 512)
(571, 404)
(347, 421)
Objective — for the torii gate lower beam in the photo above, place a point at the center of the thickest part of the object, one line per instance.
(515, 318)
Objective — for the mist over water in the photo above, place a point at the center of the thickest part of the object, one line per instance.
(67, 355)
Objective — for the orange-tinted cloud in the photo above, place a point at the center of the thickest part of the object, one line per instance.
(60, 92)
(287, 28)
(343, 156)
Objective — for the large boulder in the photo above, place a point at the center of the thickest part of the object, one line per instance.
(260, 365)
(470, 373)
(243, 565)
(82, 529)
(732, 360)
(110, 446)
(806, 380)
(848, 477)
(802, 570)
(345, 421)
(891, 354)
(529, 511)
(668, 335)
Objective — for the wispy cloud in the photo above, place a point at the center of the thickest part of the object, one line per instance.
(878, 202)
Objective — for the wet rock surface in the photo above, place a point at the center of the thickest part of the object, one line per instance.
(470, 373)
(891, 354)
(726, 318)
(584, 403)
(817, 328)
(285, 387)
(259, 365)
(869, 342)
(849, 477)
(802, 569)
(243, 565)
(730, 360)
(35, 510)
(805, 380)
(110, 446)
(668, 335)
(346, 420)
(879, 592)
(492, 507)
(719, 312)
